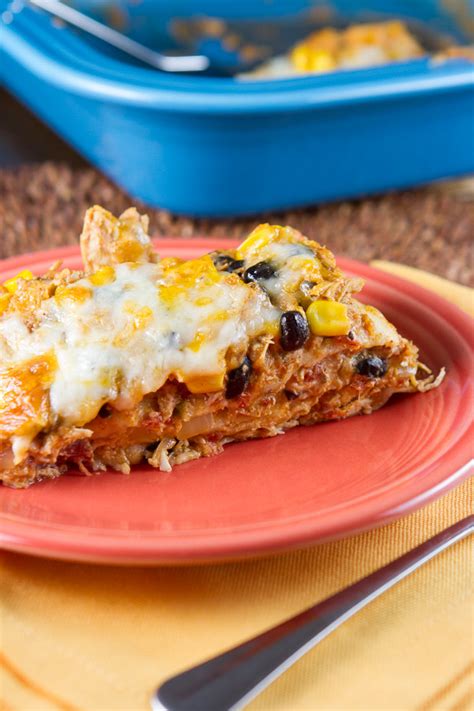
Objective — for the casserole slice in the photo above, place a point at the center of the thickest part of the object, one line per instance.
(139, 358)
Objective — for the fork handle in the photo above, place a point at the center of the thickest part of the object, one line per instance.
(229, 681)
(167, 63)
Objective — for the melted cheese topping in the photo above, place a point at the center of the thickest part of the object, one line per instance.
(117, 341)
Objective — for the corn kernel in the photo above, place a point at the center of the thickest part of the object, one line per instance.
(197, 341)
(11, 285)
(260, 237)
(206, 383)
(105, 275)
(328, 318)
(300, 57)
(320, 61)
(219, 316)
(272, 328)
(306, 58)
(203, 301)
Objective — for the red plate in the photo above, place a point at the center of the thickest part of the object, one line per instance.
(311, 484)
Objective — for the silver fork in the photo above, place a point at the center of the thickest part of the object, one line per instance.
(232, 679)
(164, 62)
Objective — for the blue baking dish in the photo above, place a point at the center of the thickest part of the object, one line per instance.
(218, 147)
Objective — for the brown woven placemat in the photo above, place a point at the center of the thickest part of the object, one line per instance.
(43, 205)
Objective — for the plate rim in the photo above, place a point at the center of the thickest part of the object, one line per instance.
(454, 466)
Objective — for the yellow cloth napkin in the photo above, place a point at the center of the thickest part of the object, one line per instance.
(77, 636)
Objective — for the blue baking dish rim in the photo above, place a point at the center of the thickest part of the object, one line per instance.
(77, 67)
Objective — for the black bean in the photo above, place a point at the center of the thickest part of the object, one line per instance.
(372, 366)
(237, 379)
(222, 261)
(226, 263)
(294, 330)
(290, 395)
(235, 265)
(351, 336)
(261, 270)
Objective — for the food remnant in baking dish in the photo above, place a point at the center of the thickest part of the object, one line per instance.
(458, 52)
(140, 358)
(355, 47)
